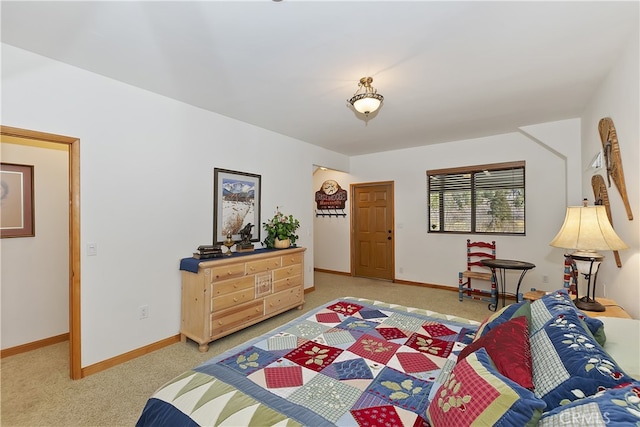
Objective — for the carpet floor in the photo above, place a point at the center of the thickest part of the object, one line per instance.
(36, 389)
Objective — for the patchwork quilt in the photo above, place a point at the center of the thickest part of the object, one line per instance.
(351, 362)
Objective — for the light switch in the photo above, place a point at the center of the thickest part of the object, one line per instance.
(92, 249)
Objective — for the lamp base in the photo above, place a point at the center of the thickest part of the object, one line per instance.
(588, 304)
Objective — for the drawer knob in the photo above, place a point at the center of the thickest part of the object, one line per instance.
(235, 300)
(235, 285)
(252, 268)
(229, 273)
(220, 323)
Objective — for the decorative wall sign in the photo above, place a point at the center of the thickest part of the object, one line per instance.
(613, 160)
(331, 197)
(16, 201)
(602, 198)
(236, 203)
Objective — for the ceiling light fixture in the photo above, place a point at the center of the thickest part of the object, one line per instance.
(366, 100)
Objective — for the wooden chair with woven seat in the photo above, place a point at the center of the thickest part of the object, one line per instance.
(476, 252)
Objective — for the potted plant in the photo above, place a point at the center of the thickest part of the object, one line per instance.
(281, 231)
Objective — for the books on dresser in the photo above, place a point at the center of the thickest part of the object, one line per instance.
(208, 251)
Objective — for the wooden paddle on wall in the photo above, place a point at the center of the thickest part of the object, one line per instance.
(602, 198)
(613, 160)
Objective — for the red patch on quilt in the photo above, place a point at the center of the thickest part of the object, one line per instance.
(377, 416)
(313, 355)
(375, 349)
(436, 329)
(508, 347)
(343, 307)
(283, 376)
(430, 345)
(328, 318)
(391, 333)
(416, 362)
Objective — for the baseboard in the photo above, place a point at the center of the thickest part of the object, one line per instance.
(443, 287)
(426, 285)
(125, 357)
(341, 273)
(33, 345)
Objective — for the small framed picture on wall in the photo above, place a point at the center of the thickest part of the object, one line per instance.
(16, 201)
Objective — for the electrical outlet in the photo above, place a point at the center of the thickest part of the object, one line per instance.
(401, 270)
(143, 310)
(545, 279)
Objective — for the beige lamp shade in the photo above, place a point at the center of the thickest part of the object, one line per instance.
(587, 228)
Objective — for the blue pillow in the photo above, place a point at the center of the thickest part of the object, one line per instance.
(550, 305)
(568, 364)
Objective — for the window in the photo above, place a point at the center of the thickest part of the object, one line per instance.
(477, 199)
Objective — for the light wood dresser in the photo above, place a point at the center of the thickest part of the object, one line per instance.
(228, 294)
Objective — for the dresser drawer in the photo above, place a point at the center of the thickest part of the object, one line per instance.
(293, 270)
(292, 259)
(227, 272)
(233, 285)
(230, 300)
(263, 265)
(233, 317)
(288, 283)
(283, 300)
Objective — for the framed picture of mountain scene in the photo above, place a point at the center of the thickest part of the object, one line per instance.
(236, 204)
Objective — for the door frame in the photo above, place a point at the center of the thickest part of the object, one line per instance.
(75, 365)
(353, 206)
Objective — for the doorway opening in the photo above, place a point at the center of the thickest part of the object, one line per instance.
(75, 365)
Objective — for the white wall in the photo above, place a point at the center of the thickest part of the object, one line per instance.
(619, 98)
(437, 258)
(146, 176)
(35, 270)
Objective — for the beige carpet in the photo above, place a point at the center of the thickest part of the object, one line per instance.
(37, 391)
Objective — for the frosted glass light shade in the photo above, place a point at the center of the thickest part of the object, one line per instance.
(587, 228)
(587, 266)
(366, 100)
(367, 105)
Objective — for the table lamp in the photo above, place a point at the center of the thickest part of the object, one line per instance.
(587, 230)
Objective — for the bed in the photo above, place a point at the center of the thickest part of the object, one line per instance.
(347, 362)
(359, 362)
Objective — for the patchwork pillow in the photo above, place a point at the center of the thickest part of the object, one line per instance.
(550, 305)
(476, 393)
(569, 364)
(508, 347)
(522, 308)
(616, 407)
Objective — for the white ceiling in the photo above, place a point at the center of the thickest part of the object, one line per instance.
(448, 70)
